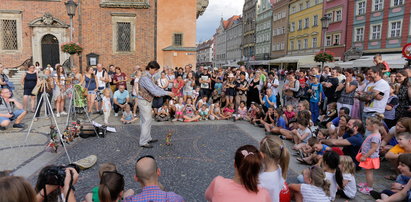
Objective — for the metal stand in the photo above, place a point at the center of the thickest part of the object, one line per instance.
(72, 110)
(44, 96)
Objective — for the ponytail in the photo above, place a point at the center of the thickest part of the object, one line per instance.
(339, 177)
(326, 187)
(104, 193)
(248, 164)
(319, 179)
(332, 160)
(284, 161)
(273, 147)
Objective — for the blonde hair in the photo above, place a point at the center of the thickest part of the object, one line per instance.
(273, 147)
(106, 91)
(317, 176)
(376, 119)
(347, 165)
(106, 167)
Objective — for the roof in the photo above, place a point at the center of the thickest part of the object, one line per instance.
(227, 23)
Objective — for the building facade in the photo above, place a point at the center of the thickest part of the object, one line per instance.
(205, 53)
(263, 29)
(220, 46)
(304, 37)
(381, 26)
(279, 29)
(123, 33)
(249, 22)
(335, 35)
(234, 39)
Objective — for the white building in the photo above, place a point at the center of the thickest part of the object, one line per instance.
(263, 30)
(221, 38)
(205, 53)
(234, 39)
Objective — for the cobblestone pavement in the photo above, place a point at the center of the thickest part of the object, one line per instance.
(200, 151)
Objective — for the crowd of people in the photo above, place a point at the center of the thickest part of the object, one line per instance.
(340, 121)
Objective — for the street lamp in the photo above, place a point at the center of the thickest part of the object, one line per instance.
(71, 12)
(325, 22)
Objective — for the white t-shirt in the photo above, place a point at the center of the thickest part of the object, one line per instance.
(378, 105)
(273, 182)
(274, 89)
(107, 104)
(99, 75)
(333, 184)
(302, 132)
(350, 189)
(312, 193)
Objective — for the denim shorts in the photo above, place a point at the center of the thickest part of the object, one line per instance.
(16, 113)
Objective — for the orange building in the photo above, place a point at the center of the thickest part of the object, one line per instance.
(176, 36)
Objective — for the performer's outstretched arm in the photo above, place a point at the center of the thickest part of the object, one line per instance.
(155, 90)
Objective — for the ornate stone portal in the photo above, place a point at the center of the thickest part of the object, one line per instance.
(47, 24)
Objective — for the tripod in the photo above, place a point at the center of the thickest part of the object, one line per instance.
(72, 106)
(44, 96)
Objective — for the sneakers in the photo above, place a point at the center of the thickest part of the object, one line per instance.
(174, 120)
(18, 125)
(362, 185)
(63, 113)
(148, 146)
(180, 120)
(115, 114)
(365, 190)
(58, 115)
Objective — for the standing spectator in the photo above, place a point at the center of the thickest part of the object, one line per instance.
(340, 76)
(274, 84)
(29, 81)
(358, 105)
(347, 91)
(205, 82)
(242, 87)
(244, 185)
(147, 174)
(4, 79)
(135, 91)
(329, 85)
(402, 93)
(316, 91)
(111, 73)
(291, 88)
(133, 75)
(170, 77)
(91, 87)
(392, 104)
(230, 86)
(103, 79)
(120, 78)
(189, 83)
(379, 90)
(59, 92)
(326, 72)
(37, 67)
(253, 90)
(8, 113)
(385, 67)
(120, 98)
(242, 69)
(178, 85)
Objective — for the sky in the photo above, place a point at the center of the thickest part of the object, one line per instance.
(210, 20)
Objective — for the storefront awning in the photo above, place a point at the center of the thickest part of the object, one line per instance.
(259, 62)
(395, 61)
(302, 61)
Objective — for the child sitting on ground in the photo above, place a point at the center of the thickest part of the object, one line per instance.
(319, 150)
(301, 135)
(314, 188)
(215, 111)
(259, 114)
(289, 112)
(203, 112)
(347, 167)
(189, 112)
(329, 116)
(252, 112)
(228, 111)
(196, 94)
(215, 97)
(403, 146)
(179, 109)
(201, 102)
(241, 112)
(163, 113)
(127, 117)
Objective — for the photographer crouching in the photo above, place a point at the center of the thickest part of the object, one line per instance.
(54, 182)
(10, 110)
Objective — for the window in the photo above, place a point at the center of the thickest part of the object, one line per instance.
(397, 2)
(361, 8)
(307, 3)
(292, 28)
(395, 29)
(293, 9)
(282, 46)
(283, 14)
(301, 6)
(375, 32)
(123, 36)
(330, 16)
(336, 40)
(338, 16)
(328, 41)
(315, 20)
(299, 45)
(359, 34)
(314, 45)
(316, 2)
(291, 45)
(300, 24)
(8, 35)
(305, 43)
(307, 23)
(378, 5)
(178, 39)
(274, 17)
(124, 4)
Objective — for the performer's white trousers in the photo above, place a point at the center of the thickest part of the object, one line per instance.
(146, 119)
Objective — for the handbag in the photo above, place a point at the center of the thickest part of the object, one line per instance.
(36, 89)
(300, 92)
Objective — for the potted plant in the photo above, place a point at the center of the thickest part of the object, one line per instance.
(71, 48)
(324, 57)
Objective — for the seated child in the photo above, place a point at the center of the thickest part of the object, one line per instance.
(203, 112)
(403, 146)
(314, 188)
(196, 94)
(215, 111)
(259, 114)
(329, 116)
(163, 113)
(319, 149)
(301, 135)
(127, 117)
(241, 112)
(228, 111)
(252, 112)
(189, 111)
(215, 97)
(347, 168)
(289, 112)
(179, 109)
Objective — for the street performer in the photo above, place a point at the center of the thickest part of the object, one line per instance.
(147, 90)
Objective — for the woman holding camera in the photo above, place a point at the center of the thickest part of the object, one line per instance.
(50, 192)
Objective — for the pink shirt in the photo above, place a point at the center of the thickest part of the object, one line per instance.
(226, 190)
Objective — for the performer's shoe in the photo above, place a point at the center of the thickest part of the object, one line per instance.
(153, 141)
(147, 146)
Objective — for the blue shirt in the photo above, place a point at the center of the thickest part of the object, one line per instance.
(323, 150)
(336, 121)
(272, 98)
(317, 90)
(281, 123)
(121, 96)
(356, 142)
(218, 87)
(154, 194)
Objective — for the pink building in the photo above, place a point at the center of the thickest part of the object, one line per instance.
(336, 35)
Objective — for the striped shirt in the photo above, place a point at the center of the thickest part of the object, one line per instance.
(147, 83)
(154, 194)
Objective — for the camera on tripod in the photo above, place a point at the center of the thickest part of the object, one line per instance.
(55, 175)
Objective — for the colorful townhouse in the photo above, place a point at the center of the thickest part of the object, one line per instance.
(280, 28)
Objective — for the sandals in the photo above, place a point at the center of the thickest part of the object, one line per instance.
(303, 161)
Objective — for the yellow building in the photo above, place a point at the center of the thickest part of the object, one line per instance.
(304, 37)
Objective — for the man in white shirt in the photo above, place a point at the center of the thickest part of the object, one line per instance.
(380, 90)
(103, 79)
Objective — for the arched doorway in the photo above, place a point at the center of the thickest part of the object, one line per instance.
(50, 53)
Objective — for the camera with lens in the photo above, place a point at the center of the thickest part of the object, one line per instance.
(55, 175)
